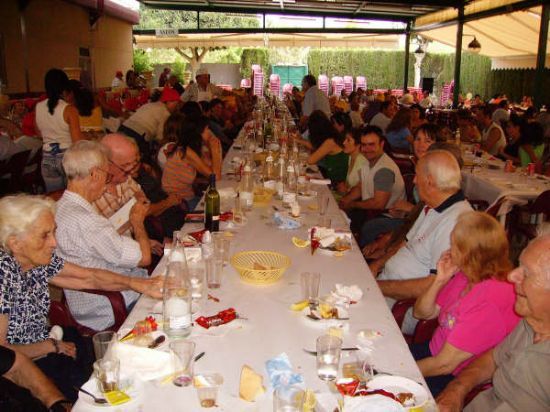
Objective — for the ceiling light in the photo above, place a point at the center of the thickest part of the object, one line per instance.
(474, 46)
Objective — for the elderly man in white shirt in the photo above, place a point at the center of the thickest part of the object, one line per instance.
(408, 272)
(86, 238)
(202, 89)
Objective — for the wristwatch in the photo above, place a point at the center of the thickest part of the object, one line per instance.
(62, 405)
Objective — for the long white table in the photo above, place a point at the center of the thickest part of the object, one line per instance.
(490, 184)
(271, 327)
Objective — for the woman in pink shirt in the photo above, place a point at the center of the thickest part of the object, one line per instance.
(470, 297)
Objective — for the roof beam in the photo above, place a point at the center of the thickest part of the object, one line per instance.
(404, 17)
(287, 30)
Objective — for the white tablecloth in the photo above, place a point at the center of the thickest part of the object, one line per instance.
(272, 328)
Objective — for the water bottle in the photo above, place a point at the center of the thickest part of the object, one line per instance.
(269, 171)
(291, 177)
(176, 308)
(246, 192)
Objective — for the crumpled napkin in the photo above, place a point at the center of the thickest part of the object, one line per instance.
(284, 222)
(280, 372)
(148, 364)
(371, 403)
(320, 181)
(353, 293)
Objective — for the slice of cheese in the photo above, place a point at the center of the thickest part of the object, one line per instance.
(251, 384)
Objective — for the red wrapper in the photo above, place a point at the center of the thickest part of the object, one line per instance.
(221, 318)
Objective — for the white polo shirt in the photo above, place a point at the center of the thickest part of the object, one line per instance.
(429, 237)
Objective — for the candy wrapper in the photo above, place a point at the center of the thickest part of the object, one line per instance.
(283, 222)
(280, 372)
(221, 318)
(142, 327)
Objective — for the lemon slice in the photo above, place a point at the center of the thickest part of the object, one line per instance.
(300, 242)
(309, 401)
(313, 206)
(298, 306)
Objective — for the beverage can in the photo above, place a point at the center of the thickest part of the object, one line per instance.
(508, 167)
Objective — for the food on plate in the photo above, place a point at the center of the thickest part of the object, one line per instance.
(353, 386)
(299, 306)
(405, 398)
(251, 384)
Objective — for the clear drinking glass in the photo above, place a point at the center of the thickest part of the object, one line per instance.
(322, 203)
(103, 343)
(182, 357)
(107, 373)
(310, 287)
(207, 385)
(328, 357)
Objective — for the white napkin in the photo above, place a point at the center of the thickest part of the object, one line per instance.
(371, 403)
(320, 181)
(146, 363)
(353, 292)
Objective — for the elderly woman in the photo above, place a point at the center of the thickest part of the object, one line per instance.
(470, 297)
(28, 263)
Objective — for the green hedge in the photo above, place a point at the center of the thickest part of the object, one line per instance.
(254, 56)
(384, 69)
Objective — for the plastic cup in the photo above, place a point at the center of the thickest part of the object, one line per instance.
(182, 358)
(214, 270)
(103, 342)
(325, 221)
(207, 385)
(288, 399)
(322, 203)
(328, 357)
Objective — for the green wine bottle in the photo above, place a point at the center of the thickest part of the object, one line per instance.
(212, 207)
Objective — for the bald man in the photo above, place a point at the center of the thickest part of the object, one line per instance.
(408, 272)
(125, 168)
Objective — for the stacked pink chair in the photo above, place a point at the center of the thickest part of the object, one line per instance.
(348, 84)
(323, 83)
(258, 77)
(361, 82)
(275, 85)
(246, 83)
(337, 83)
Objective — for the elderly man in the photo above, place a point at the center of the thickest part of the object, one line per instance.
(406, 273)
(202, 89)
(125, 166)
(147, 123)
(381, 183)
(88, 239)
(519, 367)
(314, 99)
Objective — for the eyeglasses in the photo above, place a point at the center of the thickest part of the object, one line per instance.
(108, 174)
(127, 169)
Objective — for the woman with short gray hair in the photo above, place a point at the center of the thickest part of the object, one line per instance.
(28, 263)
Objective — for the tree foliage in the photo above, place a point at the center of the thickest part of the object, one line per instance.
(254, 56)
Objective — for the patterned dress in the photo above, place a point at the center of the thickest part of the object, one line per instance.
(25, 298)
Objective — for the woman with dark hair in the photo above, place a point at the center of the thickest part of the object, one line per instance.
(59, 126)
(328, 147)
(532, 143)
(352, 146)
(341, 122)
(90, 114)
(513, 134)
(398, 131)
(184, 161)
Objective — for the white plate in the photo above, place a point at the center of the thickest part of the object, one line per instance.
(397, 384)
(325, 323)
(155, 334)
(133, 392)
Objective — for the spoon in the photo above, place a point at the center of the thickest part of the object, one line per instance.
(157, 342)
(100, 401)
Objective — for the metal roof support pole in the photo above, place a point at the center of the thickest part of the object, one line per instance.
(458, 54)
(538, 92)
(406, 63)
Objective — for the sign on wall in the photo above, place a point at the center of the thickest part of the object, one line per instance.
(166, 32)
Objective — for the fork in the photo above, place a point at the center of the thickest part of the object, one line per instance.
(99, 401)
(314, 353)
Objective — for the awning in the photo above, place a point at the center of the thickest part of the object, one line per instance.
(511, 40)
(271, 40)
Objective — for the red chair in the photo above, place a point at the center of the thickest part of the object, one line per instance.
(424, 328)
(60, 313)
